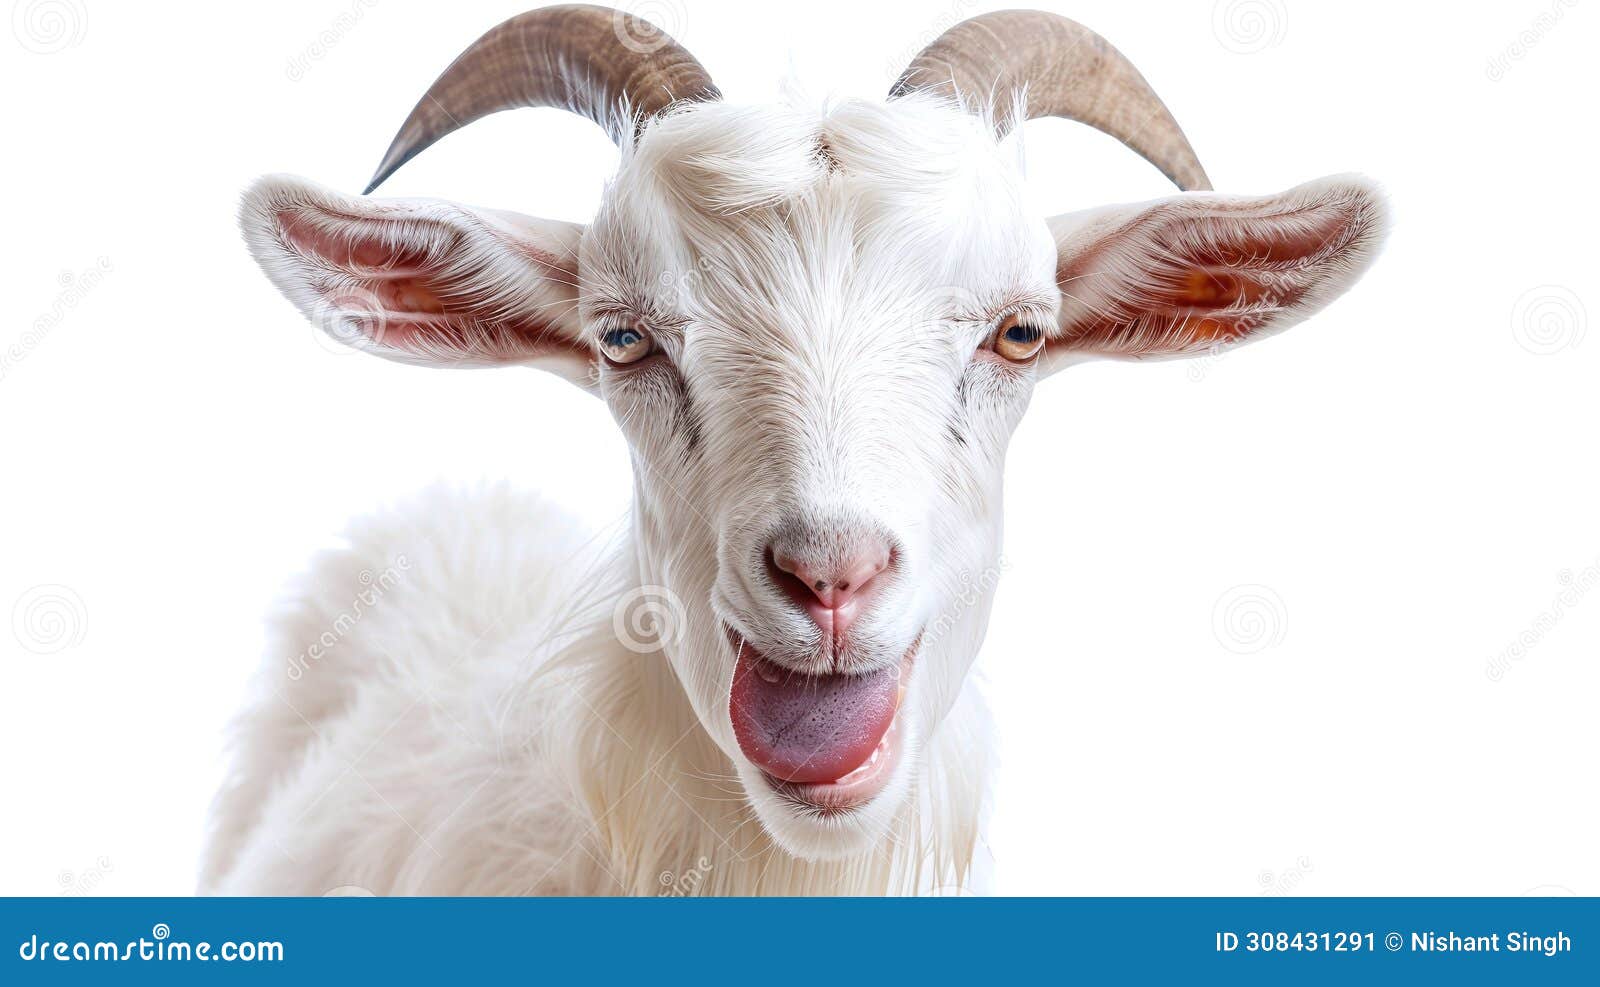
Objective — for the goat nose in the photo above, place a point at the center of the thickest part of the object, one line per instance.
(831, 591)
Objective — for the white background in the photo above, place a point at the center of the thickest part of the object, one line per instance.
(1405, 486)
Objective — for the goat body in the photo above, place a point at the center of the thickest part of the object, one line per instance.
(446, 710)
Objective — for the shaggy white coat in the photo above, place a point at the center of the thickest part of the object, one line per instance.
(822, 288)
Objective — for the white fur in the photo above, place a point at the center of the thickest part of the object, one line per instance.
(821, 286)
(479, 729)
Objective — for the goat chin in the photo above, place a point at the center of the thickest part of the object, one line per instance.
(813, 834)
(445, 709)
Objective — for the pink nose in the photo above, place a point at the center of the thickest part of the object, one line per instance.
(833, 593)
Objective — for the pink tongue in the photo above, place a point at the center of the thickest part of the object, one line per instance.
(809, 728)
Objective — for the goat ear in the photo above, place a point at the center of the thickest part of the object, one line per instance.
(422, 281)
(1199, 271)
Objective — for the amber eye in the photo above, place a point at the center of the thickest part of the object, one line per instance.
(1018, 341)
(628, 344)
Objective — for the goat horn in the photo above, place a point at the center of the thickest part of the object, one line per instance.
(612, 67)
(1064, 70)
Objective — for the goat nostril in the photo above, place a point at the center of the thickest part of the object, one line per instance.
(825, 587)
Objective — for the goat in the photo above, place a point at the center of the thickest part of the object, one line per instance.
(817, 330)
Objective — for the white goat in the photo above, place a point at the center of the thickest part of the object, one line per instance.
(817, 330)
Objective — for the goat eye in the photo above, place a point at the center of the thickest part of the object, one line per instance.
(1018, 341)
(628, 344)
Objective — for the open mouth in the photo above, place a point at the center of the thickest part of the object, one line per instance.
(828, 741)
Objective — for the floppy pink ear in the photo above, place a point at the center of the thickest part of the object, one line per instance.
(1185, 275)
(422, 281)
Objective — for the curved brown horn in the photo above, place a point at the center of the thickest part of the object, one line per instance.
(612, 67)
(1066, 70)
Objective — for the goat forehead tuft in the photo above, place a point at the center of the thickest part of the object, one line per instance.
(807, 209)
(722, 160)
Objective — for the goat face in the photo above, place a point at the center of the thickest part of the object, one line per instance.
(817, 331)
(814, 372)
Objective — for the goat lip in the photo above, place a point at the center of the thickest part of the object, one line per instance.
(828, 740)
